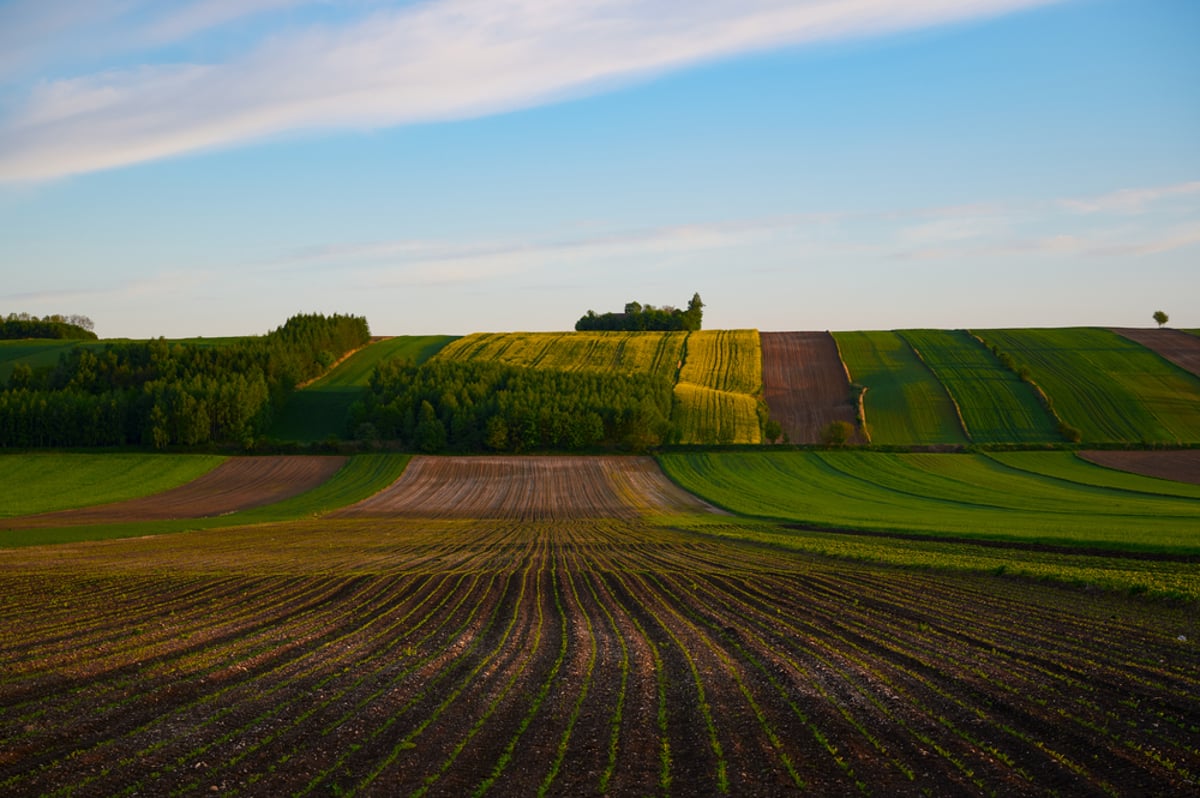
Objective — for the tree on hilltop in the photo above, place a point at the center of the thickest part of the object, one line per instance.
(645, 317)
(1161, 318)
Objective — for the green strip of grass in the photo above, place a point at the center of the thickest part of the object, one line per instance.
(319, 412)
(996, 406)
(362, 476)
(904, 404)
(42, 483)
(1155, 578)
(1110, 388)
(1070, 467)
(957, 496)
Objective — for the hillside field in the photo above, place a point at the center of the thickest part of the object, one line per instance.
(614, 648)
(1008, 618)
(1107, 386)
(320, 411)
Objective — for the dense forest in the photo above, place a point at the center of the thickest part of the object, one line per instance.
(486, 406)
(645, 317)
(23, 325)
(158, 393)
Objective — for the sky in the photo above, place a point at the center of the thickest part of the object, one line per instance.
(213, 167)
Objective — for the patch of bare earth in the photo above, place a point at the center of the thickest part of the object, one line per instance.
(805, 384)
(237, 484)
(1181, 466)
(532, 488)
(1179, 347)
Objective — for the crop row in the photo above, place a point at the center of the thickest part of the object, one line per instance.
(576, 657)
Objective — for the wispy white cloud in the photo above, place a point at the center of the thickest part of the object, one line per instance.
(434, 60)
(1131, 200)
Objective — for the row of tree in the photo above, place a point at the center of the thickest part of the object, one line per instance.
(158, 393)
(486, 406)
(646, 317)
(23, 325)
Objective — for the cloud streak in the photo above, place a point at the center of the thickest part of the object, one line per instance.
(429, 61)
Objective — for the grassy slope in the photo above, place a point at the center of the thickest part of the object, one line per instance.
(904, 403)
(362, 476)
(1110, 388)
(40, 483)
(996, 406)
(37, 353)
(319, 411)
(962, 496)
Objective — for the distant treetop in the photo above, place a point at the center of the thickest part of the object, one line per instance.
(24, 325)
(646, 317)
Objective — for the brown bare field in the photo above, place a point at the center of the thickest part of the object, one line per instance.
(805, 384)
(1181, 466)
(1179, 347)
(534, 488)
(419, 657)
(237, 484)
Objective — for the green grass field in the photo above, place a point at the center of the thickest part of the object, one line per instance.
(362, 476)
(996, 406)
(1108, 387)
(942, 495)
(319, 411)
(42, 483)
(904, 403)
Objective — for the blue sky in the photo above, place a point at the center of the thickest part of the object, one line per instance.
(211, 167)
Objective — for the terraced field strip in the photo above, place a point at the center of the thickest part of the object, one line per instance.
(805, 384)
(362, 476)
(659, 353)
(969, 497)
(1181, 466)
(320, 410)
(40, 483)
(532, 488)
(1109, 387)
(392, 656)
(904, 403)
(1177, 346)
(238, 483)
(719, 388)
(995, 405)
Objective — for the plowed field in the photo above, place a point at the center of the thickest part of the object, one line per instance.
(409, 657)
(237, 484)
(1179, 347)
(529, 488)
(805, 384)
(1181, 466)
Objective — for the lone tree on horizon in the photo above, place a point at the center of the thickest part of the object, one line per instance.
(1161, 318)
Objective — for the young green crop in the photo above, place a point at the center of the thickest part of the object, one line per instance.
(958, 496)
(42, 483)
(1108, 387)
(904, 403)
(995, 405)
(362, 476)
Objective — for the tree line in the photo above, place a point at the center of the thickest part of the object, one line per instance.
(57, 326)
(477, 406)
(645, 317)
(159, 393)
